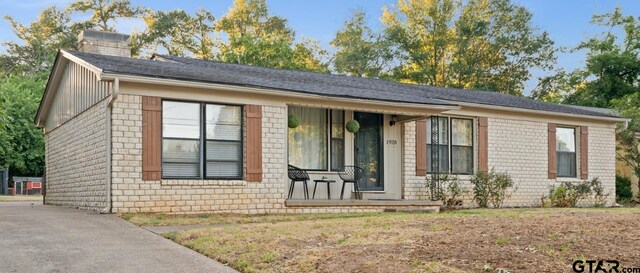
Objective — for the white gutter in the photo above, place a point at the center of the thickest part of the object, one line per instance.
(109, 106)
(539, 112)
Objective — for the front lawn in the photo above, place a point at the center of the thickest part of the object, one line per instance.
(515, 240)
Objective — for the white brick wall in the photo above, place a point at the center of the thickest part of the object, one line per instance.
(75, 157)
(519, 148)
(131, 194)
(414, 187)
(602, 158)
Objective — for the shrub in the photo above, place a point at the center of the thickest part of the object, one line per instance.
(491, 188)
(598, 197)
(449, 190)
(623, 188)
(568, 194)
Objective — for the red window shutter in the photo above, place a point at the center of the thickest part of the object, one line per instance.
(421, 147)
(584, 152)
(254, 142)
(483, 144)
(553, 171)
(151, 138)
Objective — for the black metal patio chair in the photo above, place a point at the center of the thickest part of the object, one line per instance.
(298, 175)
(351, 174)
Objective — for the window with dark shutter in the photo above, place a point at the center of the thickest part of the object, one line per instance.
(201, 141)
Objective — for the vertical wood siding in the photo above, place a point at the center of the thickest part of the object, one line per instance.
(584, 152)
(553, 172)
(79, 89)
(421, 148)
(254, 143)
(151, 138)
(483, 144)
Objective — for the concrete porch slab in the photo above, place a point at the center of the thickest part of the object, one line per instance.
(360, 203)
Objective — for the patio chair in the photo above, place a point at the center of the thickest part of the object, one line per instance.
(298, 175)
(351, 174)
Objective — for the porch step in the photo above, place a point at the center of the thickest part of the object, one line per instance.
(433, 209)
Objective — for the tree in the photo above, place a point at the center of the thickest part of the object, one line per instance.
(255, 37)
(359, 51)
(629, 138)
(178, 32)
(612, 68)
(423, 32)
(104, 13)
(496, 47)
(25, 67)
(490, 45)
(21, 143)
(39, 42)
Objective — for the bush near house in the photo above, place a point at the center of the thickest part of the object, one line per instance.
(623, 189)
(569, 194)
(450, 190)
(491, 188)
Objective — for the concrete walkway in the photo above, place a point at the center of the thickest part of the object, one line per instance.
(53, 239)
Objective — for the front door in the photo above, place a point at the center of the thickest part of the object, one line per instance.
(368, 150)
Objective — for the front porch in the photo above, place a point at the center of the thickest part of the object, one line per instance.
(384, 147)
(320, 145)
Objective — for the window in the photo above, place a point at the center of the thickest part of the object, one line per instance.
(201, 140)
(180, 139)
(443, 144)
(320, 133)
(455, 145)
(337, 140)
(566, 152)
(224, 141)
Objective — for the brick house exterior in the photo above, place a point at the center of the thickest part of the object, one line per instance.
(103, 147)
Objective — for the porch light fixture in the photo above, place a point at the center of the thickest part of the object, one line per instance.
(393, 120)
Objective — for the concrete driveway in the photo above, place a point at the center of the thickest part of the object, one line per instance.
(54, 239)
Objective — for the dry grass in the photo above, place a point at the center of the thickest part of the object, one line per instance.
(517, 240)
(20, 198)
(147, 220)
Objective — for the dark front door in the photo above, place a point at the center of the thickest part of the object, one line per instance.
(368, 150)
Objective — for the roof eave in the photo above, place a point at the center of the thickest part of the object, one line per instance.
(531, 111)
(444, 106)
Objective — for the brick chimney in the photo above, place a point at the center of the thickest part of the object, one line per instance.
(105, 43)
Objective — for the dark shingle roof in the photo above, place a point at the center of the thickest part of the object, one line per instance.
(315, 83)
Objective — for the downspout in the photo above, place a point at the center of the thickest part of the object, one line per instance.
(109, 107)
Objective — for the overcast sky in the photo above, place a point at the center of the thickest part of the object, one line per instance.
(567, 21)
